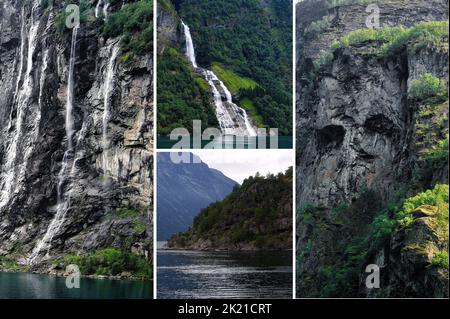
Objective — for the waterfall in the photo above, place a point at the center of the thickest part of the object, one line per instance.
(69, 104)
(103, 10)
(225, 121)
(21, 101)
(97, 8)
(19, 74)
(63, 201)
(190, 51)
(113, 50)
(233, 120)
(250, 129)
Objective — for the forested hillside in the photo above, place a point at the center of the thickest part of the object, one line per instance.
(256, 215)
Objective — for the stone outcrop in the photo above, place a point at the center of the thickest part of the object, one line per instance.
(112, 158)
(356, 131)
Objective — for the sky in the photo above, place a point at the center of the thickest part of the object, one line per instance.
(240, 164)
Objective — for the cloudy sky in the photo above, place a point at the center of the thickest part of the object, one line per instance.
(240, 164)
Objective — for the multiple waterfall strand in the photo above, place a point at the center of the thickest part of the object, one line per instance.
(67, 164)
(113, 50)
(21, 101)
(233, 120)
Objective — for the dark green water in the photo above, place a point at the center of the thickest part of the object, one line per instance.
(36, 286)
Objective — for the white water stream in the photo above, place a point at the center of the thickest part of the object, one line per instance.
(99, 9)
(113, 50)
(67, 164)
(233, 120)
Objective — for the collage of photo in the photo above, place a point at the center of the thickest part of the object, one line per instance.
(224, 149)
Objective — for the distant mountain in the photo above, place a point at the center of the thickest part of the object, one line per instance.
(184, 190)
(257, 215)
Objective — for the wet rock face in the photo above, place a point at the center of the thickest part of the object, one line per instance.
(105, 177)
(355, 125)
(356, 131)
(353, 130)
(168, 30)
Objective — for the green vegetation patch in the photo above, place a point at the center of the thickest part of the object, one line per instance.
(251, 109)
(428, 87)
(437, 154)
(110, 262)
(440, 259)
(182, 95)
(438, 197)
(324, 58)
(234, 82)
(9, 264)
(392, 39)
(139, 228)
(134, 23)
(317, 27)
(167, 6)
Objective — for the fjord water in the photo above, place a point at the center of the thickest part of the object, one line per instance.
(37, 286)
(200, 274)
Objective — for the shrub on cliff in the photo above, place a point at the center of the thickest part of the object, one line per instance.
(428, 86)
(134, 22)
(392, 39)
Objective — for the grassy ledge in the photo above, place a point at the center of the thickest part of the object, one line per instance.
(233, 81)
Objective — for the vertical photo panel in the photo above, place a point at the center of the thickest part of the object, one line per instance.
(224, 74)
(372, 149)
(76, 149)
(224, 223)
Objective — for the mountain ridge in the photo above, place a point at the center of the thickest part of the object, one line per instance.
(183, 190)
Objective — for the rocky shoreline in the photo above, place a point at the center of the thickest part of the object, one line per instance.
(64, 274)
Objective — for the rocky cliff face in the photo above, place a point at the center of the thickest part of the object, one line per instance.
(358, 134)
(76, 145)
(169, 28)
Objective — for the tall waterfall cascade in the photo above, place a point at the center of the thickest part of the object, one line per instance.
(16, 154)
(233, 120)
(113, 50)
(64, 175)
